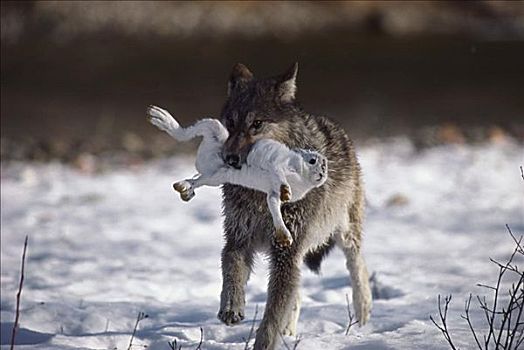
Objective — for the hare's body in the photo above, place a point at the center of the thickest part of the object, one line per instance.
(271, 167)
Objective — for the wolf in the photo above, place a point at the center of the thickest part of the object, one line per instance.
(271, 167)
(329, 215)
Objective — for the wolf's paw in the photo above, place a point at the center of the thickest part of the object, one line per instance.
(283, 237)
(159, 117)
(289, 331)
(362, 302)
(230, 316)
(232, 301)
(185, 189)
(285, 193)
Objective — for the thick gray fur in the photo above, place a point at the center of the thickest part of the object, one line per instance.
(334, 212)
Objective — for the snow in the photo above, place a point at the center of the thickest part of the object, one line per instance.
(104, 247)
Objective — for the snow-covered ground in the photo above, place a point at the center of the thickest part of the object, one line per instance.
(104, 247)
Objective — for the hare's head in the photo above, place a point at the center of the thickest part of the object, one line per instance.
(314, 167)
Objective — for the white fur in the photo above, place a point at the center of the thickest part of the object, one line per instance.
(269, 165)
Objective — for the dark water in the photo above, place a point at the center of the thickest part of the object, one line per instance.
(97, 87)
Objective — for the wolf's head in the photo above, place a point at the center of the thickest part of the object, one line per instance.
(255, 109)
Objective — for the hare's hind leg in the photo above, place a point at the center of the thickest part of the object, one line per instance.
(185, 188)
(161, 119)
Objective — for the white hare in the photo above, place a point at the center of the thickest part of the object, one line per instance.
(271, 167)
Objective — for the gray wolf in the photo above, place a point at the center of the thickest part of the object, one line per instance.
(329, 215)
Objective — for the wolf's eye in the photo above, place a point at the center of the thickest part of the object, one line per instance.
(312, 161)
(257, 124)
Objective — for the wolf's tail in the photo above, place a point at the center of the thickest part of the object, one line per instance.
(208, 128)
(313, 259)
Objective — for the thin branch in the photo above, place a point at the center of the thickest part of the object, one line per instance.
(286, 345)
(297, 341)
(18, 295)
(508, 314)
(491, 321)
(485, 286)
(518, 323)
(284, 341)
(252, 330)
(139, 318)
(351, 323)
(468, 319)
(517, 241)
(173, 345)
(443, 319)
(199, 347)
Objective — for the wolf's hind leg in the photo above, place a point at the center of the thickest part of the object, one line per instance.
(282, 235)
(358, 272)
(284, 280)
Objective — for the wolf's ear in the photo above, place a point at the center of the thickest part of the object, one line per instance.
(287, 86)
(240, 76)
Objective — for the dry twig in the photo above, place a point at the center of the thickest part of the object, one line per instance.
(443, 314)
(141, 316)
(173, 345)
(286, 345)
(18, 295)
(252, 330)
(351, 323)
(199, 347)
(503, 315)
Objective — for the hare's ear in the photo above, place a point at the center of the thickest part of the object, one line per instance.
(240, 76)
(287, 86)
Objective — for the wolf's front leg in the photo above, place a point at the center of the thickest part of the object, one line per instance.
(291, 320)
(283, 283)
(282, 235)
(237, 260)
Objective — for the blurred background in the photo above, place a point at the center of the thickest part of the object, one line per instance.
(76, 77)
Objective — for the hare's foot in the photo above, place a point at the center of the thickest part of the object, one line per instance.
(285, 193)
(160, 118)
(283, 237)
(185, 189)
